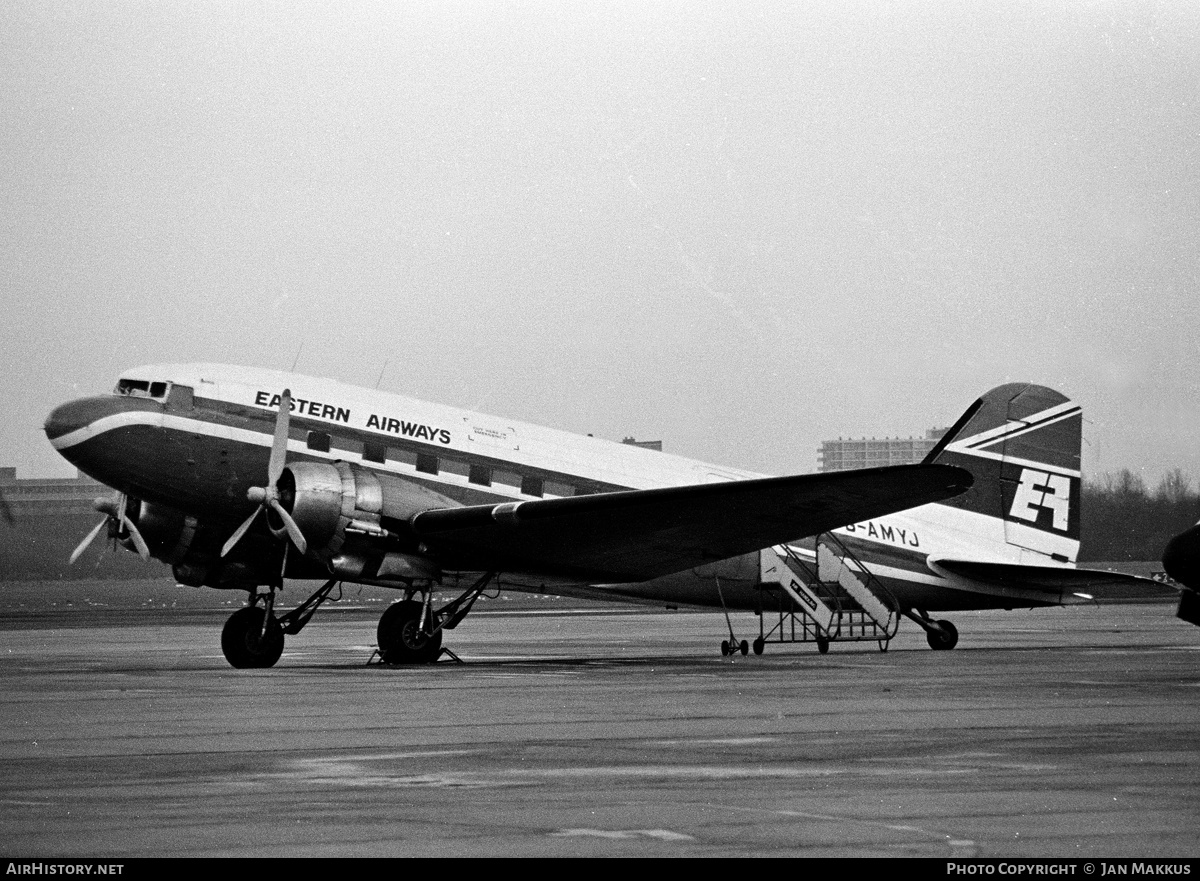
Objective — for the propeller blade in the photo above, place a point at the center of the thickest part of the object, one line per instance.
(279, 443)
(293, 530)
(138, 541)
(91, 536)
(239, 532)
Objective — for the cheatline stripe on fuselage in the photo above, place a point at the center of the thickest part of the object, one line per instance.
(908, 568)
(233, 414)
(225, 432)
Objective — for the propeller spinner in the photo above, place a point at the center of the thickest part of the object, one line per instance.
(268, 496)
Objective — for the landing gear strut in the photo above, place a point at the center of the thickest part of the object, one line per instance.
(410, 632)
(941, 635)
(253, 636)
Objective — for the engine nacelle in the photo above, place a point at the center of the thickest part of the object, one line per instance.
(334, 502)
(169, 533)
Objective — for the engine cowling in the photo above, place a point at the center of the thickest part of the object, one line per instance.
(180, 540)
(333, 503)
(169, 533)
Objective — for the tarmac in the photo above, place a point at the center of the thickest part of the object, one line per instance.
(1064, 733)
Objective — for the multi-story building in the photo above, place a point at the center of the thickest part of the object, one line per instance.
(43, 519)
(43, 496)
(844, 454)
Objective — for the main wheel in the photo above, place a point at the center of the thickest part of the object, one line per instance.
(401, 640)
(944, 638)
(244, 643)
(759, 645)
(822, 644)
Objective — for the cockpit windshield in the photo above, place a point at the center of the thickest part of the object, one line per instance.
(141, 388)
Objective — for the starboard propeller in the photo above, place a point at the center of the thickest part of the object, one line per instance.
(268, 496)
(115, 519)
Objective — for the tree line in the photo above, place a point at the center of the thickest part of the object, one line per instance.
(1123, 520)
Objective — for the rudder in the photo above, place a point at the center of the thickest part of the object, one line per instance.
(1023, 445)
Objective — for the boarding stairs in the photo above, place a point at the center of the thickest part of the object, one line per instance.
(823, 595)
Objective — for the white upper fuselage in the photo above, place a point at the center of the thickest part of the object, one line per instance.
(446, 430)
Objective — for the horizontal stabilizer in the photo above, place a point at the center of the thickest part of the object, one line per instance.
(1059, 582)
(642, 534)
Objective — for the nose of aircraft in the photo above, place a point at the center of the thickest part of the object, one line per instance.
(74, 415)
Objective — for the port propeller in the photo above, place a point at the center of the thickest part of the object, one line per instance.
(268, 496)
(116, 519)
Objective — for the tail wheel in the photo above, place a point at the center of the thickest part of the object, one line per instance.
(401, 639)
(944, 638)
(244, 643)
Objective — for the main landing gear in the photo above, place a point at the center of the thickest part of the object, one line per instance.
(250, 639)
(407, 635)
(410, 632)
(941, 635)
(253, 636)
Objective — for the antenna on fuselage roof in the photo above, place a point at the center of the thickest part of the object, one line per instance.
(381, 369)
(299, 349)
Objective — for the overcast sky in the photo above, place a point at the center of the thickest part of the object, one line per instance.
(739, 228)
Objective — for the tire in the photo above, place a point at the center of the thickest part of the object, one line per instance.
(744, 648)
(759, 645)
(822, 645)
(244, 644)
(400, 638)
(944, 638)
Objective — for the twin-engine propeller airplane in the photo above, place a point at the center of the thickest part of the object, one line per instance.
(239, 478)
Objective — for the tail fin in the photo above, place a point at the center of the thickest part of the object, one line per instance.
(1022, 443)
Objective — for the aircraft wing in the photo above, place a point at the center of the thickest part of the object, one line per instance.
(639, 534)
(1059, 583)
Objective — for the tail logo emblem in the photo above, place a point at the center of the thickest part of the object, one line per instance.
(1039, 489)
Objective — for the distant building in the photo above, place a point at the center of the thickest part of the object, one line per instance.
(45, 518)
(42, 496)
(845, 454)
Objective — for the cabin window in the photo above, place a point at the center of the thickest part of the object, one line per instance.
(480, 475)
(374, 452)
(531, 486)
(319, 441)
(554, 488)
(427, 464)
